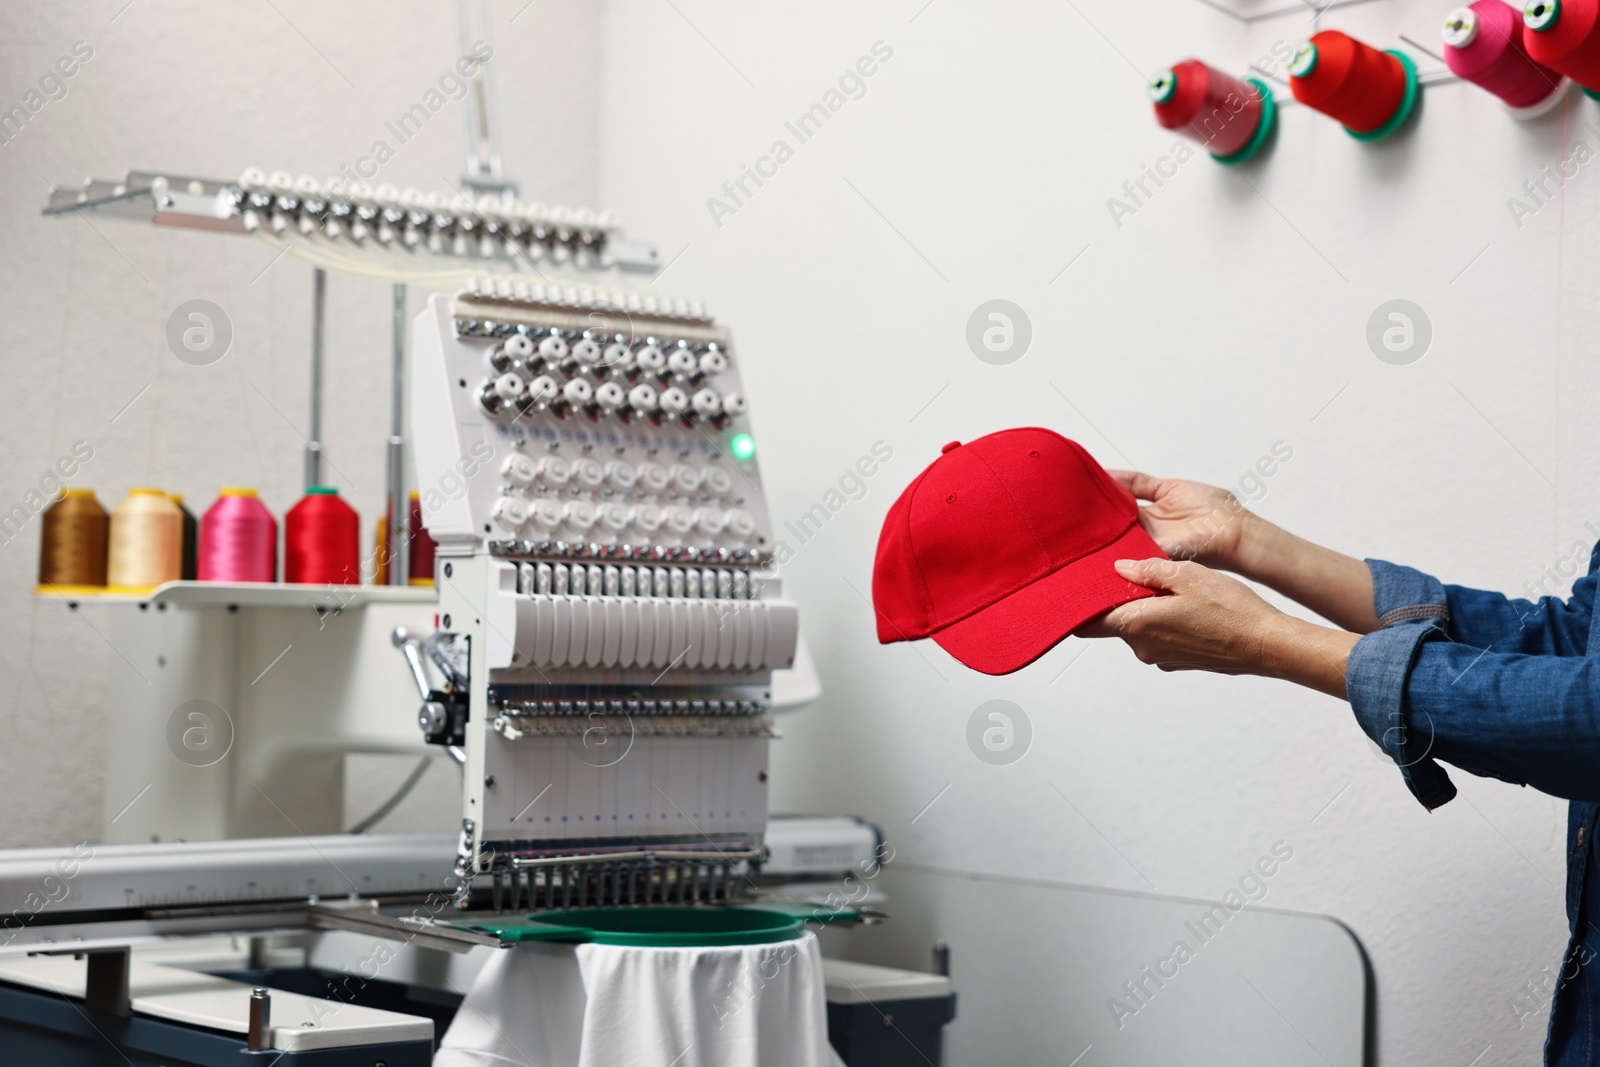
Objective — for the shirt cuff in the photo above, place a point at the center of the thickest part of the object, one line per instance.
(1411, 608)
(1403, 594)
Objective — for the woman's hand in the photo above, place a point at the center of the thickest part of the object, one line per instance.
(1207, 621)
(1210, 622)
(1189, 520)
(1194, 521)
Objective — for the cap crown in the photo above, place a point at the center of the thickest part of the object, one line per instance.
(986, 519)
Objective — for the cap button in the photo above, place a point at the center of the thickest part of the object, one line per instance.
(948, 447)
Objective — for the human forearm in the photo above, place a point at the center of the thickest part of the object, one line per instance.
(1336, 586)
(1307, 654)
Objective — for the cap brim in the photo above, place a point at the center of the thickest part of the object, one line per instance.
(1009, 634)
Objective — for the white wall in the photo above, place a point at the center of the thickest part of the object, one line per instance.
(211, 89)
(1222, 317)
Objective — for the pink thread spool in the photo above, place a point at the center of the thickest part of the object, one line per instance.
(1483, 45)
(238, 539)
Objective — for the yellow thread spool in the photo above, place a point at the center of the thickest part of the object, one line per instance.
(146, 542)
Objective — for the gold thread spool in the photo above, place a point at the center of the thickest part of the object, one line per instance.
(146, 542)
(72, 544)
(380, 576)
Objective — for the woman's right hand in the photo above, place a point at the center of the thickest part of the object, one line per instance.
(1199, 522)
(1189, 520)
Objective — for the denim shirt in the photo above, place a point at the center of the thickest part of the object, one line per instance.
(1501, 688)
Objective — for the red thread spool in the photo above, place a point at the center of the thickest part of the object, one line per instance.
(1369, 92)
(1564, 35)
(238, 539)
(422, 545)
(322, 540)
(1230, 117)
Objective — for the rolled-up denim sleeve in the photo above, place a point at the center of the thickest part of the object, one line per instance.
(1532, 720)
(1412, 609)
(1423, 697)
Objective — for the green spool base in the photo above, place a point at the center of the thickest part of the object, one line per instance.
(1269, 115)
(1408, 103)
(1592, 94)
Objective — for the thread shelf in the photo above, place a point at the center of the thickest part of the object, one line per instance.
(255, 595)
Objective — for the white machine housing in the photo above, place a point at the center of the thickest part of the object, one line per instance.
(606, 585)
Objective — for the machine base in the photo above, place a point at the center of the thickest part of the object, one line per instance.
(37, 1027)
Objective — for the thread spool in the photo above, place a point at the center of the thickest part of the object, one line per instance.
(1483, 45)
(419, 566)
(145, 543)
(380, 550)
(1232, 118)
(1564, 35)
(73, 538)
(322, 540)
(422, 545)
(238, 539)
(191, 538)
(1370, 93)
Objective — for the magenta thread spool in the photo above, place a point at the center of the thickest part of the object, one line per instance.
(1483, 45)
(238, 539)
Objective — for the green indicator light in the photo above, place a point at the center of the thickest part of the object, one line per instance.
(742, 445)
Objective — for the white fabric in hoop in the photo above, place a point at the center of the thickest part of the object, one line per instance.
(559, 1005)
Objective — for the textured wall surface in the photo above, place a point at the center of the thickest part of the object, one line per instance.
(211, 89)
(1226, 312)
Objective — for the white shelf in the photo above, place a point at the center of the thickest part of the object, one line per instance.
(258, 595)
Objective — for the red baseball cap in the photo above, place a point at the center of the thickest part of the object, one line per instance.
(1003, 547)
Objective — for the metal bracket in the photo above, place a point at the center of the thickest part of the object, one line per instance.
(366, 917)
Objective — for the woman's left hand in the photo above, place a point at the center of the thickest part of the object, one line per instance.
(1206, 621)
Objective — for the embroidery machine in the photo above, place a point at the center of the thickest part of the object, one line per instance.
(602, 660)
